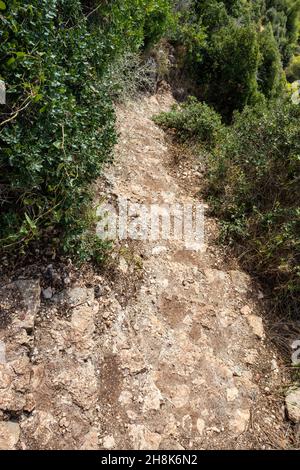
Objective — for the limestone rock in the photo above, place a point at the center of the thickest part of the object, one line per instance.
(238, 423)
(257, 326)
(200, 425)
(14, 382)
(153, 396)
(82, 324)
(143, 439)
(246, 310)
(22, 299)
(180, 395)
(90, 441)
(251, 356)
(43, 425)
(109, 442)
(77, 379)
(31, 292)
(9, 435)
(78, 296)
(158, 250)
(123, 266)
(240, 281)
(232, 394)
(292, 402)
(47, 293)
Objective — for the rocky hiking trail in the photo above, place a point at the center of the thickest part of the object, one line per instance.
(168, 353)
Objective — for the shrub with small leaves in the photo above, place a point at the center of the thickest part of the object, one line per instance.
(193, 120)
(254, 187)
(58, 125)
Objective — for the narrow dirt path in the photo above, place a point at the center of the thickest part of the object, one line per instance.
(191, 367)
(170, 353)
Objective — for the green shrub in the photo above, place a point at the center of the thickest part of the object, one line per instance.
(235, 50)
(270, 71)
(254, 186)
(130, 24)
(293, 71)
(158, 18)
(284, 17)
(58, 126)
(193, 120)
(231, 69)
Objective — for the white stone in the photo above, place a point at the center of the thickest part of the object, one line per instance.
(232, 393)
(257, 326)
(123, 266)
(180, 396)
(47, 293)
(246, 310)
(240, 281)
(200, 426)
(125, 397)
(292, 402)
(274, 366)
(238, 423)
(158, 250)
(9, 435)
(109, 442)
(90, 441)
(143, 439)
(251, 356)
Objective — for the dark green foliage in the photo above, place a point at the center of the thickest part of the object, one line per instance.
(284, 18)
(157, 19)
(130, 24)
(58, 126)
(59, 119)
(270, 73)
(231, 69)
(246, 45)
(293, 71)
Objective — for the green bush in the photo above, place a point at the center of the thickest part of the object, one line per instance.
(284, 17)
(253, 172)
(158, 18)
(58, 126)
(193, 121)
(231, 69)
(235, 50)
(130, 24)
(270, 71)
(293, 71)
(254, 186)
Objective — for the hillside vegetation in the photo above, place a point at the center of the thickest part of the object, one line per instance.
(58, 125)
(248, 121)
(64, 63)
